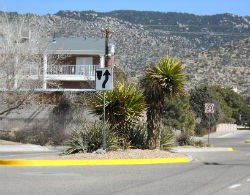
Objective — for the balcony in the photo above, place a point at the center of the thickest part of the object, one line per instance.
(70, 72)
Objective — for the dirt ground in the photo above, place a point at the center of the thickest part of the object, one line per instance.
(122, 154)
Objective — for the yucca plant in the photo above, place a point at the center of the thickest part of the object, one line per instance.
(163, 80)
(167, 139)
(88, 138)
(124, 106)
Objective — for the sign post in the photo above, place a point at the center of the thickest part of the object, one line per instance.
(209, 109)
(104, 82)
(104, 122)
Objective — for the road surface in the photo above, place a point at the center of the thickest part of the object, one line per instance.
(210, 173)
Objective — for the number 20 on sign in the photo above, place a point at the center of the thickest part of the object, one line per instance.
(209, 108)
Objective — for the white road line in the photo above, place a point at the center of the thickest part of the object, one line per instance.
(234, 186)
(226, 135)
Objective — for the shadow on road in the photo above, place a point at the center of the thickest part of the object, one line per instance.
(225, 164)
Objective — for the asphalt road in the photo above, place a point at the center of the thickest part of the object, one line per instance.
(210, 173)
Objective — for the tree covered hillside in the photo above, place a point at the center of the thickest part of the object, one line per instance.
(143, 38)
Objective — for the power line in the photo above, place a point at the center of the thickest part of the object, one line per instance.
(239, 34)
(211, 33)
(188, 25)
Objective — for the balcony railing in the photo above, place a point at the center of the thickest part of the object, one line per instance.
(61, 72)
(71, 72)
(86, 70)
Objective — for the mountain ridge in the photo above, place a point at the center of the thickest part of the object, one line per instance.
(140, 44)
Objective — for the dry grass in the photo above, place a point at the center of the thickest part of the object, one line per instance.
(5, 142)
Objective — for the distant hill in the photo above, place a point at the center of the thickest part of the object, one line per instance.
(186, 25)
(156, 20)
(144, 37)
(227, 65)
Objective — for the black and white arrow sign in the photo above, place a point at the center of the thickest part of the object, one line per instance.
(104, 79)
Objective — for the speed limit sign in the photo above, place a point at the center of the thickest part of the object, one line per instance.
(209, 108)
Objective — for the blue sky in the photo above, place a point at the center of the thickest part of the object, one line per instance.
(199, 7)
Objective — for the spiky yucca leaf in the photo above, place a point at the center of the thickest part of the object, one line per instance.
(88, 138)
(125, 104)
(167, 139)
(166, 78)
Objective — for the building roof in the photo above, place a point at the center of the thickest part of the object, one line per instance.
(89, 46)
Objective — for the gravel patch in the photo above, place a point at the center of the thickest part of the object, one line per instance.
(121, 154)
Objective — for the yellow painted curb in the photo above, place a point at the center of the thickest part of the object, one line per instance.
(23, 162)
(230, 149)
(247, 141)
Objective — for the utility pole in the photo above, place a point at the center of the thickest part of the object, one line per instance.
(107, 36)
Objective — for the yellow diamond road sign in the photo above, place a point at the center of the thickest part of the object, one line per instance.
(104, 79)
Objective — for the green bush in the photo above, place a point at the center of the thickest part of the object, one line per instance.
(198, 97)
(88, 138)
(200, 131)
(178, 114)
(200, 143)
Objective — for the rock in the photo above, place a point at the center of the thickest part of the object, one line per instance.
(100, 151)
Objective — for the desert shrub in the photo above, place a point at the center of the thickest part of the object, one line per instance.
(88, 138)
(40, 135)
(200, 131)
(184, 139)
(167, 139)
(199, 143)
(138, 136)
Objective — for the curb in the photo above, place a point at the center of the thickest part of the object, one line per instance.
(230, 149)
(204, 149)
(23, 148)
(23, 162)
